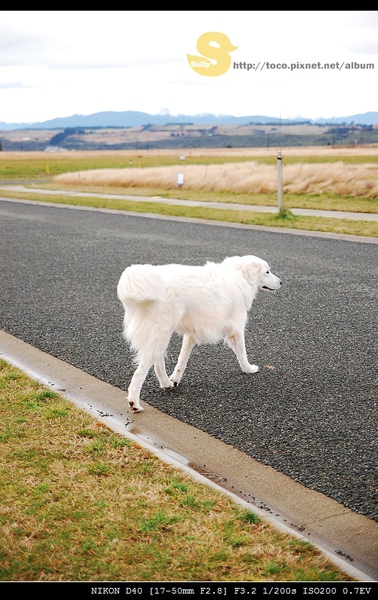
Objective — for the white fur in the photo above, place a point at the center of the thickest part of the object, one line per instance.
(204, 304)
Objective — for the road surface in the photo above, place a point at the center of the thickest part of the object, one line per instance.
(311, 411)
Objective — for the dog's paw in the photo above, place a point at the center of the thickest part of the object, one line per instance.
(165, 383)
(135, 407)
(176, 378)
(171, 385)
(251, 369)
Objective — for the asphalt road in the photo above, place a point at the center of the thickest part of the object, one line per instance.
(311, 411)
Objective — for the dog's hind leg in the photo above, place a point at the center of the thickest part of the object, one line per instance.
(236, 342)
(188, 344)
(161, 374)
(133, 393)
(155, 345)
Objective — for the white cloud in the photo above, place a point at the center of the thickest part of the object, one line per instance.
(61, 63)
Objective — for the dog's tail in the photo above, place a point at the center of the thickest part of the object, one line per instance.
(140, 284)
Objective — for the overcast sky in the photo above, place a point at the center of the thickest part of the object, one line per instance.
(61, 63)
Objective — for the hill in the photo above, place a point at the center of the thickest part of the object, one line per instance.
(132, 118)
(185, 136)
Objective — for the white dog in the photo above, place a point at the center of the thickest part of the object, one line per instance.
(204, 304)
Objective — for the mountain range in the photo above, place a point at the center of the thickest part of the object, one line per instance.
(130, 118)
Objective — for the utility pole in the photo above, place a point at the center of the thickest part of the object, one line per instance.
(279, 180)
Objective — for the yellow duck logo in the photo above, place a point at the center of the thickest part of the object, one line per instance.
(219, 53)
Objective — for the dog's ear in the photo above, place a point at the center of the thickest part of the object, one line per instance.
(250, 267)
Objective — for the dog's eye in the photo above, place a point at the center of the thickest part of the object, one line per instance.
(268, 272)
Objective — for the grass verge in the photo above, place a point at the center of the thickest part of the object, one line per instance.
(81, 503)
(339, 226)
(323, 201)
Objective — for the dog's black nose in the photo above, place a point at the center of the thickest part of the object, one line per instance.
(281, 282)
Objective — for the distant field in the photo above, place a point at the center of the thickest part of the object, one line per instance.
(313, 152)
(45, 164)
(189, 136)
(319, 178)
(343, 179)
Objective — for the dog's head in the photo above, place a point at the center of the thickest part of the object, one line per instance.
(267, 280)
(256, 271)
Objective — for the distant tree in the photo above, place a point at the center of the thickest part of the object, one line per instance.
(59, 137)
(56, 139)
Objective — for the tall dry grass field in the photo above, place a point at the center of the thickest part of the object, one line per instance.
(338, 178)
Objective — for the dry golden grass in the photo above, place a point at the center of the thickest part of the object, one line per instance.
(245, 177)
(80, 503)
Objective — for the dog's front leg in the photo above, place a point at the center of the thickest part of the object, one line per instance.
(236, 342)
(188, 344)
